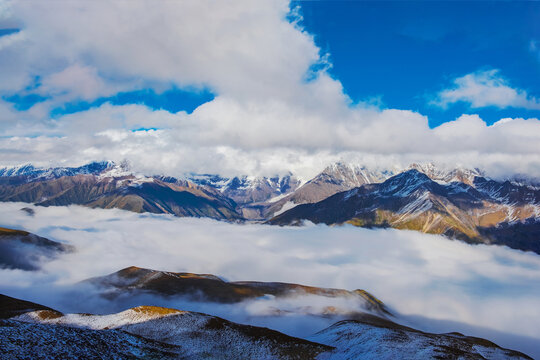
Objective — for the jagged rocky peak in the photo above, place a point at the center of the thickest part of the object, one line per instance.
(118, 170)
(351, 175)
(354, 175)
(405, 182)
(249, 189)
(212, 180)
(277, 184)
(448, 175)
(17, 170)
(484, 212)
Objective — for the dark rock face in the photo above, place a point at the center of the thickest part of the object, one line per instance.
(517, 235)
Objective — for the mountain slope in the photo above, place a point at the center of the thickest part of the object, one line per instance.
(128, 192)
(252, 194)
(156, 332)
(411, 200)
(10, 307)
(206, 287)
(459, 203)
(334, 178)
(447, 176)
(250, 189)
(370, 337)
(22, 340)
(181, 199)
(180, 334)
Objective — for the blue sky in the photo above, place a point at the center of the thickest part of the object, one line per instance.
(393, 54)
(267, 87)
(405, 52)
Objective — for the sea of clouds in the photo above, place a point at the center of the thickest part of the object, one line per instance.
(430, 282)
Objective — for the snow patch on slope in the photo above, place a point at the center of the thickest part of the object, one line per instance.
(286, 207)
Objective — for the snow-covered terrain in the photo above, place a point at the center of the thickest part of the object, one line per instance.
(198, 335)
(35, 173)
(376, 339)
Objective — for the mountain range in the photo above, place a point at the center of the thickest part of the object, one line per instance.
(112, 186)
(29, 329)
(412, 200)
(458, 203)
(363, 326)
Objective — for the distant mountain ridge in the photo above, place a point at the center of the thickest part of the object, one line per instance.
(115, 188)
(251, 193)
(29, 172)
(458, 203)
(412, 200)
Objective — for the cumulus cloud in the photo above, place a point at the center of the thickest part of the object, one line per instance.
(75, 82)
(486, 88)
(415, 274)
(274, 111)
(230, 138)
(242, 48)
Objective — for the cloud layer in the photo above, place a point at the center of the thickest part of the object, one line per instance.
(415, 274)
(276, 108)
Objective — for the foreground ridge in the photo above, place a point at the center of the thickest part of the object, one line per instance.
(157, 332)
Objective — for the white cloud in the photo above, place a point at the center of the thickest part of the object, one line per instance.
(8, 40)
(486, 88)
(229, 137)
(237, 47)
(265, 119)
(75, 82)
(486, 286)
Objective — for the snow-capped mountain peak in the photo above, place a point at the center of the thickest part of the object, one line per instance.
(447, 175)
(38, 173)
